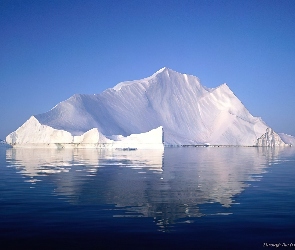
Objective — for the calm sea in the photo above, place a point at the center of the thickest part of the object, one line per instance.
(179, 198)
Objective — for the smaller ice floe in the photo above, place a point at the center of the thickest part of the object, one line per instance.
(33, 134)
(270, 139)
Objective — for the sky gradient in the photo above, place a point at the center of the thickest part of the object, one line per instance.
(50, 50)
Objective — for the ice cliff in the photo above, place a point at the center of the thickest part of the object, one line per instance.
(189, 113)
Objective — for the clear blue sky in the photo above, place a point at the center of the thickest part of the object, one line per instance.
(50, 50)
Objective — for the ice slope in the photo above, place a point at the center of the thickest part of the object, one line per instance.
(289, 139)
(189, 113)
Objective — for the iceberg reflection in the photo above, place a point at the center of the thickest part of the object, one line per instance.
(165, 185)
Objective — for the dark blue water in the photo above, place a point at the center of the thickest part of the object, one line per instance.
(180, 198)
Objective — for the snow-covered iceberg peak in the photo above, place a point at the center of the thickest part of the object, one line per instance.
(164, 75)
(161, 70)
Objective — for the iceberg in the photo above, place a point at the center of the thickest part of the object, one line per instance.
(166, 102)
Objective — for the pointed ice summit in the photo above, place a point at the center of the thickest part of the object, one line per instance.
(187, 112)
